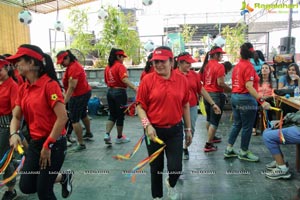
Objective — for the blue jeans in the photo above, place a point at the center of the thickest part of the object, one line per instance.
(194, 116)
(271, 138)
(244, 108)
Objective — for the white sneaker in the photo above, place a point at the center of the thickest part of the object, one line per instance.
(172, 192)
(271, 165)
(278, 173)
(123, 139)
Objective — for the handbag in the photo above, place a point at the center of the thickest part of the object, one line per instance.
(283, 92)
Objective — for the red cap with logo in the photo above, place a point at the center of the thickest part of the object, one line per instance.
(187, 58)
(60, 57)
(121, 53)
(217, 50)
(162, 54)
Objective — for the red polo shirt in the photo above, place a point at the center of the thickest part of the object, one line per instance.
(76, 71)
(144, 73)
(242, 73)
(19, 77)
(37, 102)
(114, 75)
(213, 70)
(8, 95)
(163, 99)
(195, 86)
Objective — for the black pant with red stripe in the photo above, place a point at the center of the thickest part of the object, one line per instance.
(173, 138)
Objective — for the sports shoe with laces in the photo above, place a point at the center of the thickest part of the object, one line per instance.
(186, 154)
(273, 165)
(216, 139)
(66, 183)
(107, 138)
(248, 156)
(278, 173)
(172, 192)
(210, 147)
(123, 139)
(10, 195)
(88, 135)
(79, 147)
(230, 154)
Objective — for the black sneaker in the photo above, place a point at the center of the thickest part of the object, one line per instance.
(210, 147)
(88, 135)
(66, 183)
(186, 155)
(9, 195)
(216, 139)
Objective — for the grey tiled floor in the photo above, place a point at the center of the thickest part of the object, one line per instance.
(206, 176)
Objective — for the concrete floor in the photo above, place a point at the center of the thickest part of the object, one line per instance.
(206, 176)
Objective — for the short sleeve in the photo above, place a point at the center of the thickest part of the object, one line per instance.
(53, 93)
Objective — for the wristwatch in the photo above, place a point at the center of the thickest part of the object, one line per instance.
(261, 100)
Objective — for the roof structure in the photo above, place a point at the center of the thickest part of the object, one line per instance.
(46, 6)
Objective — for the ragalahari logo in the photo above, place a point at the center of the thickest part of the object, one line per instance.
(246, 8)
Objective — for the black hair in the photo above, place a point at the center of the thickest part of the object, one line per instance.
(260, 55)
(228, 66)
(176, 59)
(113, 56)
(70, 55)
(207, 56)
(297, 72)
(46, 66)
(10, 70)
(148, 63)
(245, 52)
(269, 77)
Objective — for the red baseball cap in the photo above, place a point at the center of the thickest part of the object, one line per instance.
(187, 58)
(22, 51)
(217, 50)
(162, 54)
(122, 53)
(3, 63)
(60, 57)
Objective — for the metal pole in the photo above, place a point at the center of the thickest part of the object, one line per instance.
(290, 26)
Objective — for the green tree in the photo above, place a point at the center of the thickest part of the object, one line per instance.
(235, 37)
(188, 32)
(117, 33)
(81, 39)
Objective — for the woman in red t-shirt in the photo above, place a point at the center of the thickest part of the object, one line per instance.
(183, 66)
(77, 95)
(244, 104)
(116, 79)
(213, 78)
(148, 68)
(41, 102)
(8, 95)
(163, 100)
